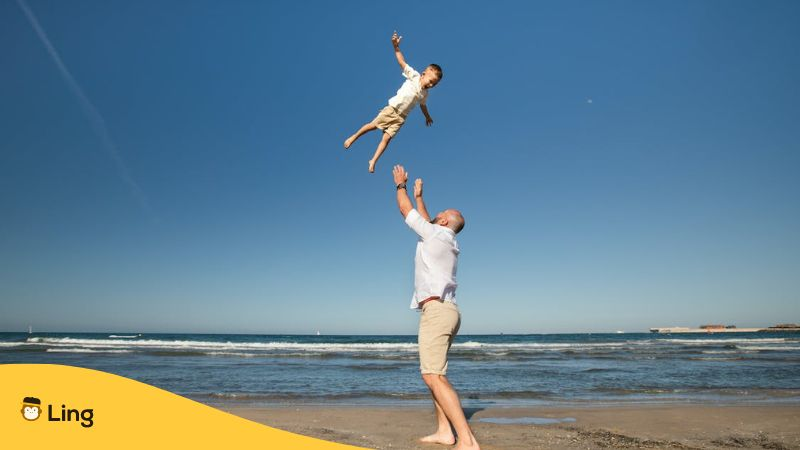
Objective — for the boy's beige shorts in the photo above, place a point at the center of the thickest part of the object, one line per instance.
(438, 325)
(389, 120)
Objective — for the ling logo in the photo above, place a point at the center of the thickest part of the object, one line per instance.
(32, 409)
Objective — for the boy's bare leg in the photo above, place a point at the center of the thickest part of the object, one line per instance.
(444, 434)
(379, 151)
(366, 128)
(447, 398)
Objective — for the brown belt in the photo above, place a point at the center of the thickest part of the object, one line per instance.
(435, 297)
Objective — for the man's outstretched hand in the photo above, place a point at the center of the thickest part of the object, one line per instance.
(400, 175)
(418, 188)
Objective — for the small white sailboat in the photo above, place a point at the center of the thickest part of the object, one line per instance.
(30, 329)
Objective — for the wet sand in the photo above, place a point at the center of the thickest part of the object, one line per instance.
(639, 426)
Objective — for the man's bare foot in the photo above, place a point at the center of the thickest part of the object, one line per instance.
(465, 446)
(372, 166)
(349, 141)
(439, 438)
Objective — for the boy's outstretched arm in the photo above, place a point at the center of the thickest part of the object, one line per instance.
(397, 53)
(421, 209)
(428, 119)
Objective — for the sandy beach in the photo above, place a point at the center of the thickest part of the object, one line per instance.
(639, 426)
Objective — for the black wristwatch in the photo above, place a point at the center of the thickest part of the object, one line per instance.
(401, 186)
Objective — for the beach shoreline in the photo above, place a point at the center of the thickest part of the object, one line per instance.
(686, 426)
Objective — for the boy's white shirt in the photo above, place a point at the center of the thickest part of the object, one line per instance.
(409, 94)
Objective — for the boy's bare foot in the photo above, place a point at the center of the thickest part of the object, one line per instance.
(437, 438)
(372, 166)
(349, 141)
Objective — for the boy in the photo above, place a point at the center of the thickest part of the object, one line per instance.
(414, 90)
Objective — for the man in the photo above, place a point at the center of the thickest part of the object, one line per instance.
(435, 295)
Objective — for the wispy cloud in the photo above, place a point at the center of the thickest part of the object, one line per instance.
(96, 120)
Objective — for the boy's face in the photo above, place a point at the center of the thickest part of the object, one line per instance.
(429, 78)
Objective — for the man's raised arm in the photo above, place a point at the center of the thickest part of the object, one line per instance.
(397, 53)
(400, 179)
(421, 209)
(414, 218)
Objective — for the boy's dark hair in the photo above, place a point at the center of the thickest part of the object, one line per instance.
(437, 69)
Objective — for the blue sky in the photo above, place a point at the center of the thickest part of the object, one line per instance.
(620, 164)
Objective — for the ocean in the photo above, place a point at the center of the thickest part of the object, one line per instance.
(487, 370)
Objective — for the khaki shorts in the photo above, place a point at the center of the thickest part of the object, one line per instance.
(438, 325)
(389, 121)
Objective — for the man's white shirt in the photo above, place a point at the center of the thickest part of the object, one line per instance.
(435, 262)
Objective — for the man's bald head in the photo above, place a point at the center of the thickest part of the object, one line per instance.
(450, 218)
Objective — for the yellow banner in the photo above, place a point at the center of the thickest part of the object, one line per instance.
(59, 407)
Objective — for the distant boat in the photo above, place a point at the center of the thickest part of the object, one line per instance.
(317, 332)
(620, 332)
(30, 329)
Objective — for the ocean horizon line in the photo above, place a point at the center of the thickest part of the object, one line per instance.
(129, 332)
(314, 334)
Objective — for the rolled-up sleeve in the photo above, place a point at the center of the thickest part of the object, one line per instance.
(409, 72)
(420, 226)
